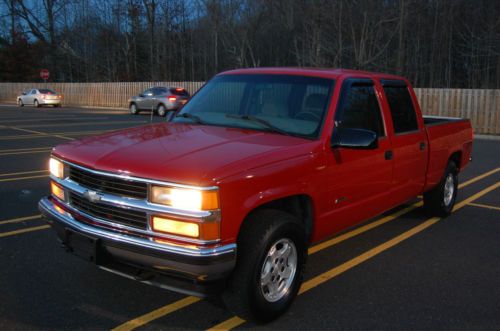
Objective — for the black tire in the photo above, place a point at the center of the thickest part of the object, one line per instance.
(161, 111)
(264, 229)
(57, 105)
(20, 103)
(133, 109)
(37, 105)
(440, 201)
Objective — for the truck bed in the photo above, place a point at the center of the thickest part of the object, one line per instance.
(446, 135)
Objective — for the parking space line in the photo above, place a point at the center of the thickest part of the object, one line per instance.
(334, 272)
(155, 314)
(350, 234)
(23, 149)
(40, 133)
(27, 152)
(43, 119)
(21, 178)
(20, 219)
(82, 123)
(13, 233)
(23, 173)
(70, 133)
(484, 206)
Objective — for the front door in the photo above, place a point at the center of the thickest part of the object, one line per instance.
(359, 179)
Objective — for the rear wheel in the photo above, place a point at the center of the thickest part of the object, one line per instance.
(133, 109)
(268, 273)
(440, 200)
(162, 111)
(37, 105)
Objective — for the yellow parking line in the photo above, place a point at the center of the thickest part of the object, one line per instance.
(20, 219)
(82, 123)
(23, 149)
(475, 179)
(21, 178)
(13, 233)
(357, 231)
(484, 206)
(52, 118)
(26, 152)
(22, 173)
(40, 133)
(70, 133)
(146, 318)
(332, 273)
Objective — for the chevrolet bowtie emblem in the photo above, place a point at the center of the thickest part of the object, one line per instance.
(92, 196)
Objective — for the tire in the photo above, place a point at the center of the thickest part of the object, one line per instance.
(20, 103)
(250, 293)
(37, 105)
(162, 111)
(56, 105)
(133, 109)
(440, 200)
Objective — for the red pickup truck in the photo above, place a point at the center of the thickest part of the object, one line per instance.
(260, 163)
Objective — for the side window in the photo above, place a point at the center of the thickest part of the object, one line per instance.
(148, 92)
(360, 110)
(403, 114)
(33, 91)
(159, 91)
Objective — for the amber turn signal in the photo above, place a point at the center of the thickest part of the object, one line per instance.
(57, 191)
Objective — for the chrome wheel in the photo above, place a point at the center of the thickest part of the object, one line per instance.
(133, 109)
(161, 110)
(449, 189)
(278, 270)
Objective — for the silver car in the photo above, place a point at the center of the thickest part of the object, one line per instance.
(159, 99)
(39, 97)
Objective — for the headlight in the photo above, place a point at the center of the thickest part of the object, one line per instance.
(56, 168)
(187, 199)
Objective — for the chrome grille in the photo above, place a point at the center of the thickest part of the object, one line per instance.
(134, 218)
(109, 184)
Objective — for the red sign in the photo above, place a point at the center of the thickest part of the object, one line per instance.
(44, 74)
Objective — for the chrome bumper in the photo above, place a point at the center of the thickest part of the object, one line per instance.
(199, 265)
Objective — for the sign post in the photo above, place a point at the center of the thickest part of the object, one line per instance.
(44, 74)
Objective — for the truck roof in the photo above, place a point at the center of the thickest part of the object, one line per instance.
(333, 73)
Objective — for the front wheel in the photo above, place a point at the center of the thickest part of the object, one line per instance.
(133, 109)
(20, 103)
(271, 258)
(440, 200)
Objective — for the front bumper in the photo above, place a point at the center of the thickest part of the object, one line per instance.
(189, 270)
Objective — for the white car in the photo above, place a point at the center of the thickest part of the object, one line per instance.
(39, 97)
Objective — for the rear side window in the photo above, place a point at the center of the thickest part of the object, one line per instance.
(403, 114)
(360, 110)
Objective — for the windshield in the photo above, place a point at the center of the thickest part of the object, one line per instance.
(294, 105)
(46, 91)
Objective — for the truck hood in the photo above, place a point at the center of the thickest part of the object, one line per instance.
(182, 153)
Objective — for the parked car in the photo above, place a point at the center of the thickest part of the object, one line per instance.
(260, 164)
(159, 99)
(40, 97)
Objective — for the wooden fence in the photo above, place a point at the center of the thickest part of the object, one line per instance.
(480, 105)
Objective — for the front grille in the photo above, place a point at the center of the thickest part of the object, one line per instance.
(109, 184)
(134, 218)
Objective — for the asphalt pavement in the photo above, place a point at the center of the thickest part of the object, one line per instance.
(398, 271)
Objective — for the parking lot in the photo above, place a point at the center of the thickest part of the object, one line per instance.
(400, 270)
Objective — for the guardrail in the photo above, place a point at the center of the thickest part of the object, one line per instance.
(480, 105)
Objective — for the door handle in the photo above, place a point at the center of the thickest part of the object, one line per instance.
(388, 155)
(422, 146)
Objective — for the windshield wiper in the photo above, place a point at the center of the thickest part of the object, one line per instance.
(260, 121)
(195, 118)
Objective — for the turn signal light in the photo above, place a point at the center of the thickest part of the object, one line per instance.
(202, 230)
(57, 191)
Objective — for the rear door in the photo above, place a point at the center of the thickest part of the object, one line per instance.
(409, 140)
(359, 179)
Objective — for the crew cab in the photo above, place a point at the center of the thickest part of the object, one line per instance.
(226, 197)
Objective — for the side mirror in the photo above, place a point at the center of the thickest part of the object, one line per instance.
(354, 138)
